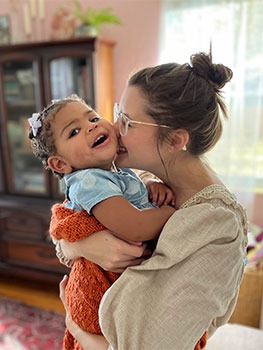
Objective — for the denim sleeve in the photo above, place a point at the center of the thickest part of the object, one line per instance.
(96, 186)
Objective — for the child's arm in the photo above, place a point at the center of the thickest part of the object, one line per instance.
(128, 222)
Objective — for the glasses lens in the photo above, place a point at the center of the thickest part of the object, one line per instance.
(122, 120)
(122, 124)
(116, 112)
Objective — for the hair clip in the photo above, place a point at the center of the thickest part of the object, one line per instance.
(35, 123)
(54, 101)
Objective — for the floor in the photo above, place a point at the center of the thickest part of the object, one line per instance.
(230, 336)
(40, 295)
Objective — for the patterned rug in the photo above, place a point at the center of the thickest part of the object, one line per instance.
(24, 327)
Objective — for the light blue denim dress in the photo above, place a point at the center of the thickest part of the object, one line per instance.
(86, 188)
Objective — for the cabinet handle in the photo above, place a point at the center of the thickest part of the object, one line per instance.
(45, 255)
(22, 221)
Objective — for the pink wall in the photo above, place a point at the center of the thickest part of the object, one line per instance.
(137, 39)
(137, 42)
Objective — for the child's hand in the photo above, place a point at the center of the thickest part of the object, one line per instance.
(159, 193)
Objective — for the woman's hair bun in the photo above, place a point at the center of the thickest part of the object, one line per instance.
(216, 74)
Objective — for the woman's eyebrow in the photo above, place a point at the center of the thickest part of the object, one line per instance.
(127, 115)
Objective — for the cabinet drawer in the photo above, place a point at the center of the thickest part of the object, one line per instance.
(23, 223)
(23, 226)
(31, 253)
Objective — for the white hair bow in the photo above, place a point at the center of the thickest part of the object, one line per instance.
(35, 123)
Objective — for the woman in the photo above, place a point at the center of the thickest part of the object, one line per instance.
(168, 119)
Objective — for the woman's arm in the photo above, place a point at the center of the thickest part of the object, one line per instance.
(106, 250)
(88, 341)
(192, 282)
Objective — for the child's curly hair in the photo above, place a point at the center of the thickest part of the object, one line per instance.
(43, 144)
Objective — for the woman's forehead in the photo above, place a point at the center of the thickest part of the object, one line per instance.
(132, 100)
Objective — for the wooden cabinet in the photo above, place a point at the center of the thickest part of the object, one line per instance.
(31, 75)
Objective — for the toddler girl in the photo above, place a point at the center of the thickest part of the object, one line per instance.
(80, 147)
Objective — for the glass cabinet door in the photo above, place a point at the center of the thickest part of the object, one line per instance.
(1, 173)
(71, 75)
(21, 92)
(67, 76)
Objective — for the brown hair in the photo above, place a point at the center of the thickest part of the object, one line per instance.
(43, 144)
(185, 96)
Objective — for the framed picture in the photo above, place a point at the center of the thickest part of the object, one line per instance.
(4, 30)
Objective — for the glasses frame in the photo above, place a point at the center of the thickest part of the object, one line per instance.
(120, 116)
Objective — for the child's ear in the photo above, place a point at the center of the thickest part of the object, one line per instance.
(178, 139)
(59, 165)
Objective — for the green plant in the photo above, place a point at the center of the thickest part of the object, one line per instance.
(94, 17)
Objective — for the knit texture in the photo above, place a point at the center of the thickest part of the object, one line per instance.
(87, 281)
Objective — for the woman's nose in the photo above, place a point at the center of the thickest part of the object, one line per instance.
(117, 129)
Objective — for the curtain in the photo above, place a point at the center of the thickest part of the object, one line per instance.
(235, 28)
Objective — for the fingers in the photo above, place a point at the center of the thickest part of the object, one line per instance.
(133, 251)
(126, 264)
(138, 244)
(160, 194)
(62, 286)
(169, 198)
(154, 195)
(126, 255)
(161, 198)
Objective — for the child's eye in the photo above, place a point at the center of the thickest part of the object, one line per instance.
(74, 132)
(95, 119)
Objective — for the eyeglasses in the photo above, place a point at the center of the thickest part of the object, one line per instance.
(124, 121)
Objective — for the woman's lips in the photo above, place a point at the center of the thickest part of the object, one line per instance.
(121, 150)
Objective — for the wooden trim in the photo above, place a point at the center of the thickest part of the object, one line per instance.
(104, 86)
(4, 136)
(54, 43)
(18, 56)
(45, 44)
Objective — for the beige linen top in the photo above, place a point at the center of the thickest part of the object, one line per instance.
(189, 285)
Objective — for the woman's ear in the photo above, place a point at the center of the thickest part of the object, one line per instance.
(59, 165)
(178, 140)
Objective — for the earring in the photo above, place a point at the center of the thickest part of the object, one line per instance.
(184, 148)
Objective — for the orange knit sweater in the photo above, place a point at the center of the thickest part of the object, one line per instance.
(87, 281)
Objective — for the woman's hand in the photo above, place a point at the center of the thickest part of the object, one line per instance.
(107, 251)
(87, 340)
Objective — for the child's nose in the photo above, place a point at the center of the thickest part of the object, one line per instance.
(91, 127)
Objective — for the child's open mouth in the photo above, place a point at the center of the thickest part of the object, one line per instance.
(101, 139)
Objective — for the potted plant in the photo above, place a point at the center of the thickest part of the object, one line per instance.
(91, 19)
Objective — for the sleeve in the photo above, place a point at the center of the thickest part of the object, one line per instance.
(96, 186)
(72, 225)
(145, 175)
(190, 284)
